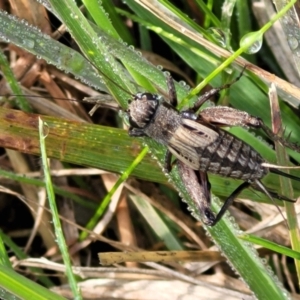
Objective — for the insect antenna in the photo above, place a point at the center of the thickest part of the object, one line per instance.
(112, 81)
(58, 32)
(97, 100)
(45, 96)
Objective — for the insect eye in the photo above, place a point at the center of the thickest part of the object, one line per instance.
(148, 96)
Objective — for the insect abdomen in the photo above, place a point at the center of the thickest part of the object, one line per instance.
(229, 156)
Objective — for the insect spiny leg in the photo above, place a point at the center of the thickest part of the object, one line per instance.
(276, 138)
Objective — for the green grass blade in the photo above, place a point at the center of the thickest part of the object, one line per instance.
(270, 245)
(4, 260)
(105, 202)
(10, 78)
(33, 40)
(23, 288)
(55, 216)
(157, 224)
(21, 255)
(97, 52)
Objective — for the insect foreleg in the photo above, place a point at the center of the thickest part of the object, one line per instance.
(172, 91)
(136, 132)
(106, 101)
(202, 99)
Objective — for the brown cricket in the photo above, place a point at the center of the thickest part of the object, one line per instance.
(200, 145)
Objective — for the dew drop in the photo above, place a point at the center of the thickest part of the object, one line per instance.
(46, 36)
(218, 35)
(74, 16)
(210, 104)
(28, 43)
(293, 42)
(253, 41)
(264, 261)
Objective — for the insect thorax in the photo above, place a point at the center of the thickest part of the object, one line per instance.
(150, 115)
(164, 123)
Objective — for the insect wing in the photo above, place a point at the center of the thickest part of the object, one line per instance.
(189, 136)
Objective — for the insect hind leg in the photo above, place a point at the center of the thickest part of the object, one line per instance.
(198, 187)
(276, 138)
(228, 116)
(230, 200)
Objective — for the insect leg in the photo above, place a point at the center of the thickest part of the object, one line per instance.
(167, 163)
(202, 99)
(229, 201)
(256, 185)
(198, 188)
(136, 132)
(276, 138)
(172, 91)
(106, 101)
(227, 116)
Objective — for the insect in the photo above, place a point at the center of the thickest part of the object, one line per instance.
(201, 146)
